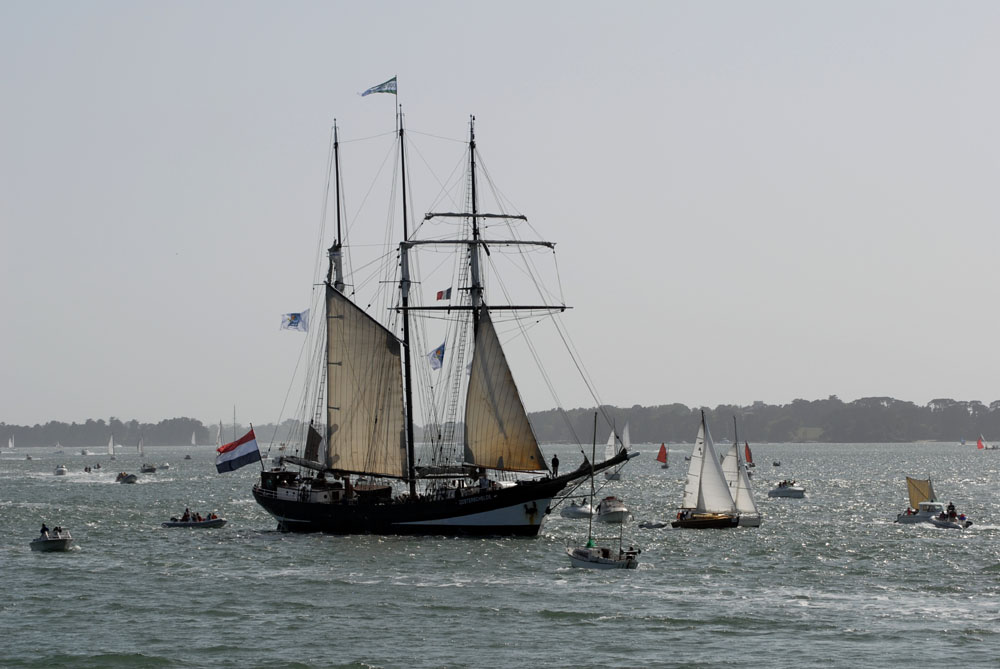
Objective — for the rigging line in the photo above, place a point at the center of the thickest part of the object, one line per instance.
(443, 185)
(370, 137)
(584, 374)
(371, 187)
(447, 139)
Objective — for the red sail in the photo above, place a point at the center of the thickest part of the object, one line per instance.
(748, 453)
(662, 455)
(979, 443)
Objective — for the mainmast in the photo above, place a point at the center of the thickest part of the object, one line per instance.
(476, 280)
(336, 269)
(405, 292)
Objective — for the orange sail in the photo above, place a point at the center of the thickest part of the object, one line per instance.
(662, 455)
(748, 453)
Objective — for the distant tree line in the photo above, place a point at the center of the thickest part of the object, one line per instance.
(867, 420)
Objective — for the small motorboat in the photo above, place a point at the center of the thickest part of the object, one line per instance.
(574, 510)
(210, 522)
(612, 510)
(165, 465)
(61, 470)
(55, 540)
(27, 457)
(776, 463)
(84, 451)
(787, 489)
(603, 557)
(147, 469)
(187, 457)
(948, 522)
(125, 477)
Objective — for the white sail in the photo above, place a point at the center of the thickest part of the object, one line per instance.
(10, 442)
(497, 432)
(739, 483)
(218, 437)
(111, 445)
(706, 490)
(365, 431)
(609, 448)
(193, 442)
(139, 446)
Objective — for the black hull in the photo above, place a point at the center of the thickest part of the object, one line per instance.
(709, 523)
(517, 510)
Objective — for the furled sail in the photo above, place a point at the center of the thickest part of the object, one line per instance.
(497, 432)
(365, 431)
(920, 490)
(706, 490)
(739, 483)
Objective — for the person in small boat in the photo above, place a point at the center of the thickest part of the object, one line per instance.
(555, 466)
(187, 515)
(951, 510)
(45, 531)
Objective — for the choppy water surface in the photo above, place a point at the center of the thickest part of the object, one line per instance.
(825, 581)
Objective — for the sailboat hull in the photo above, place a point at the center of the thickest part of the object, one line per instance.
(706, 521)
(519, 510)
(513, 510)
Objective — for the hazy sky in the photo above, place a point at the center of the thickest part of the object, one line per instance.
(751, 201)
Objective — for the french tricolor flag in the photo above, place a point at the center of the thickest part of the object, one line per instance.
(237, 453)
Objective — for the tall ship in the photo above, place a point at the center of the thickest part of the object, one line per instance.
(361, 464)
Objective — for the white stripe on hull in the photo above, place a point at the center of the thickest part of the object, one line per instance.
(531, 514)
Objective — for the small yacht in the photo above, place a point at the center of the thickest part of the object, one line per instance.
(787, 489)
(612, 510)
(61, 470)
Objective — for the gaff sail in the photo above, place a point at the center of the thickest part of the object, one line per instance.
(365, 431)
(497, 432)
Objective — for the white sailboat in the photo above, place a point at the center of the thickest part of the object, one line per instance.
(707, 502)
(592, 556)
(738, 479)
(10, 443)
(609, 452)
(193, 442)
(111, 446)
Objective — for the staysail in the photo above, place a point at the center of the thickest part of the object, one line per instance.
(706, 490)
(497, 432)
(365, 400)
(920, 490)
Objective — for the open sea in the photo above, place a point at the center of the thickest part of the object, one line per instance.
(826, 581)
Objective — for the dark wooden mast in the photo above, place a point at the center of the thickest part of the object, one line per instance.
(411, 465)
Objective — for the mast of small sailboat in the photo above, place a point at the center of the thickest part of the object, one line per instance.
(593, 455)
(411, 469)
